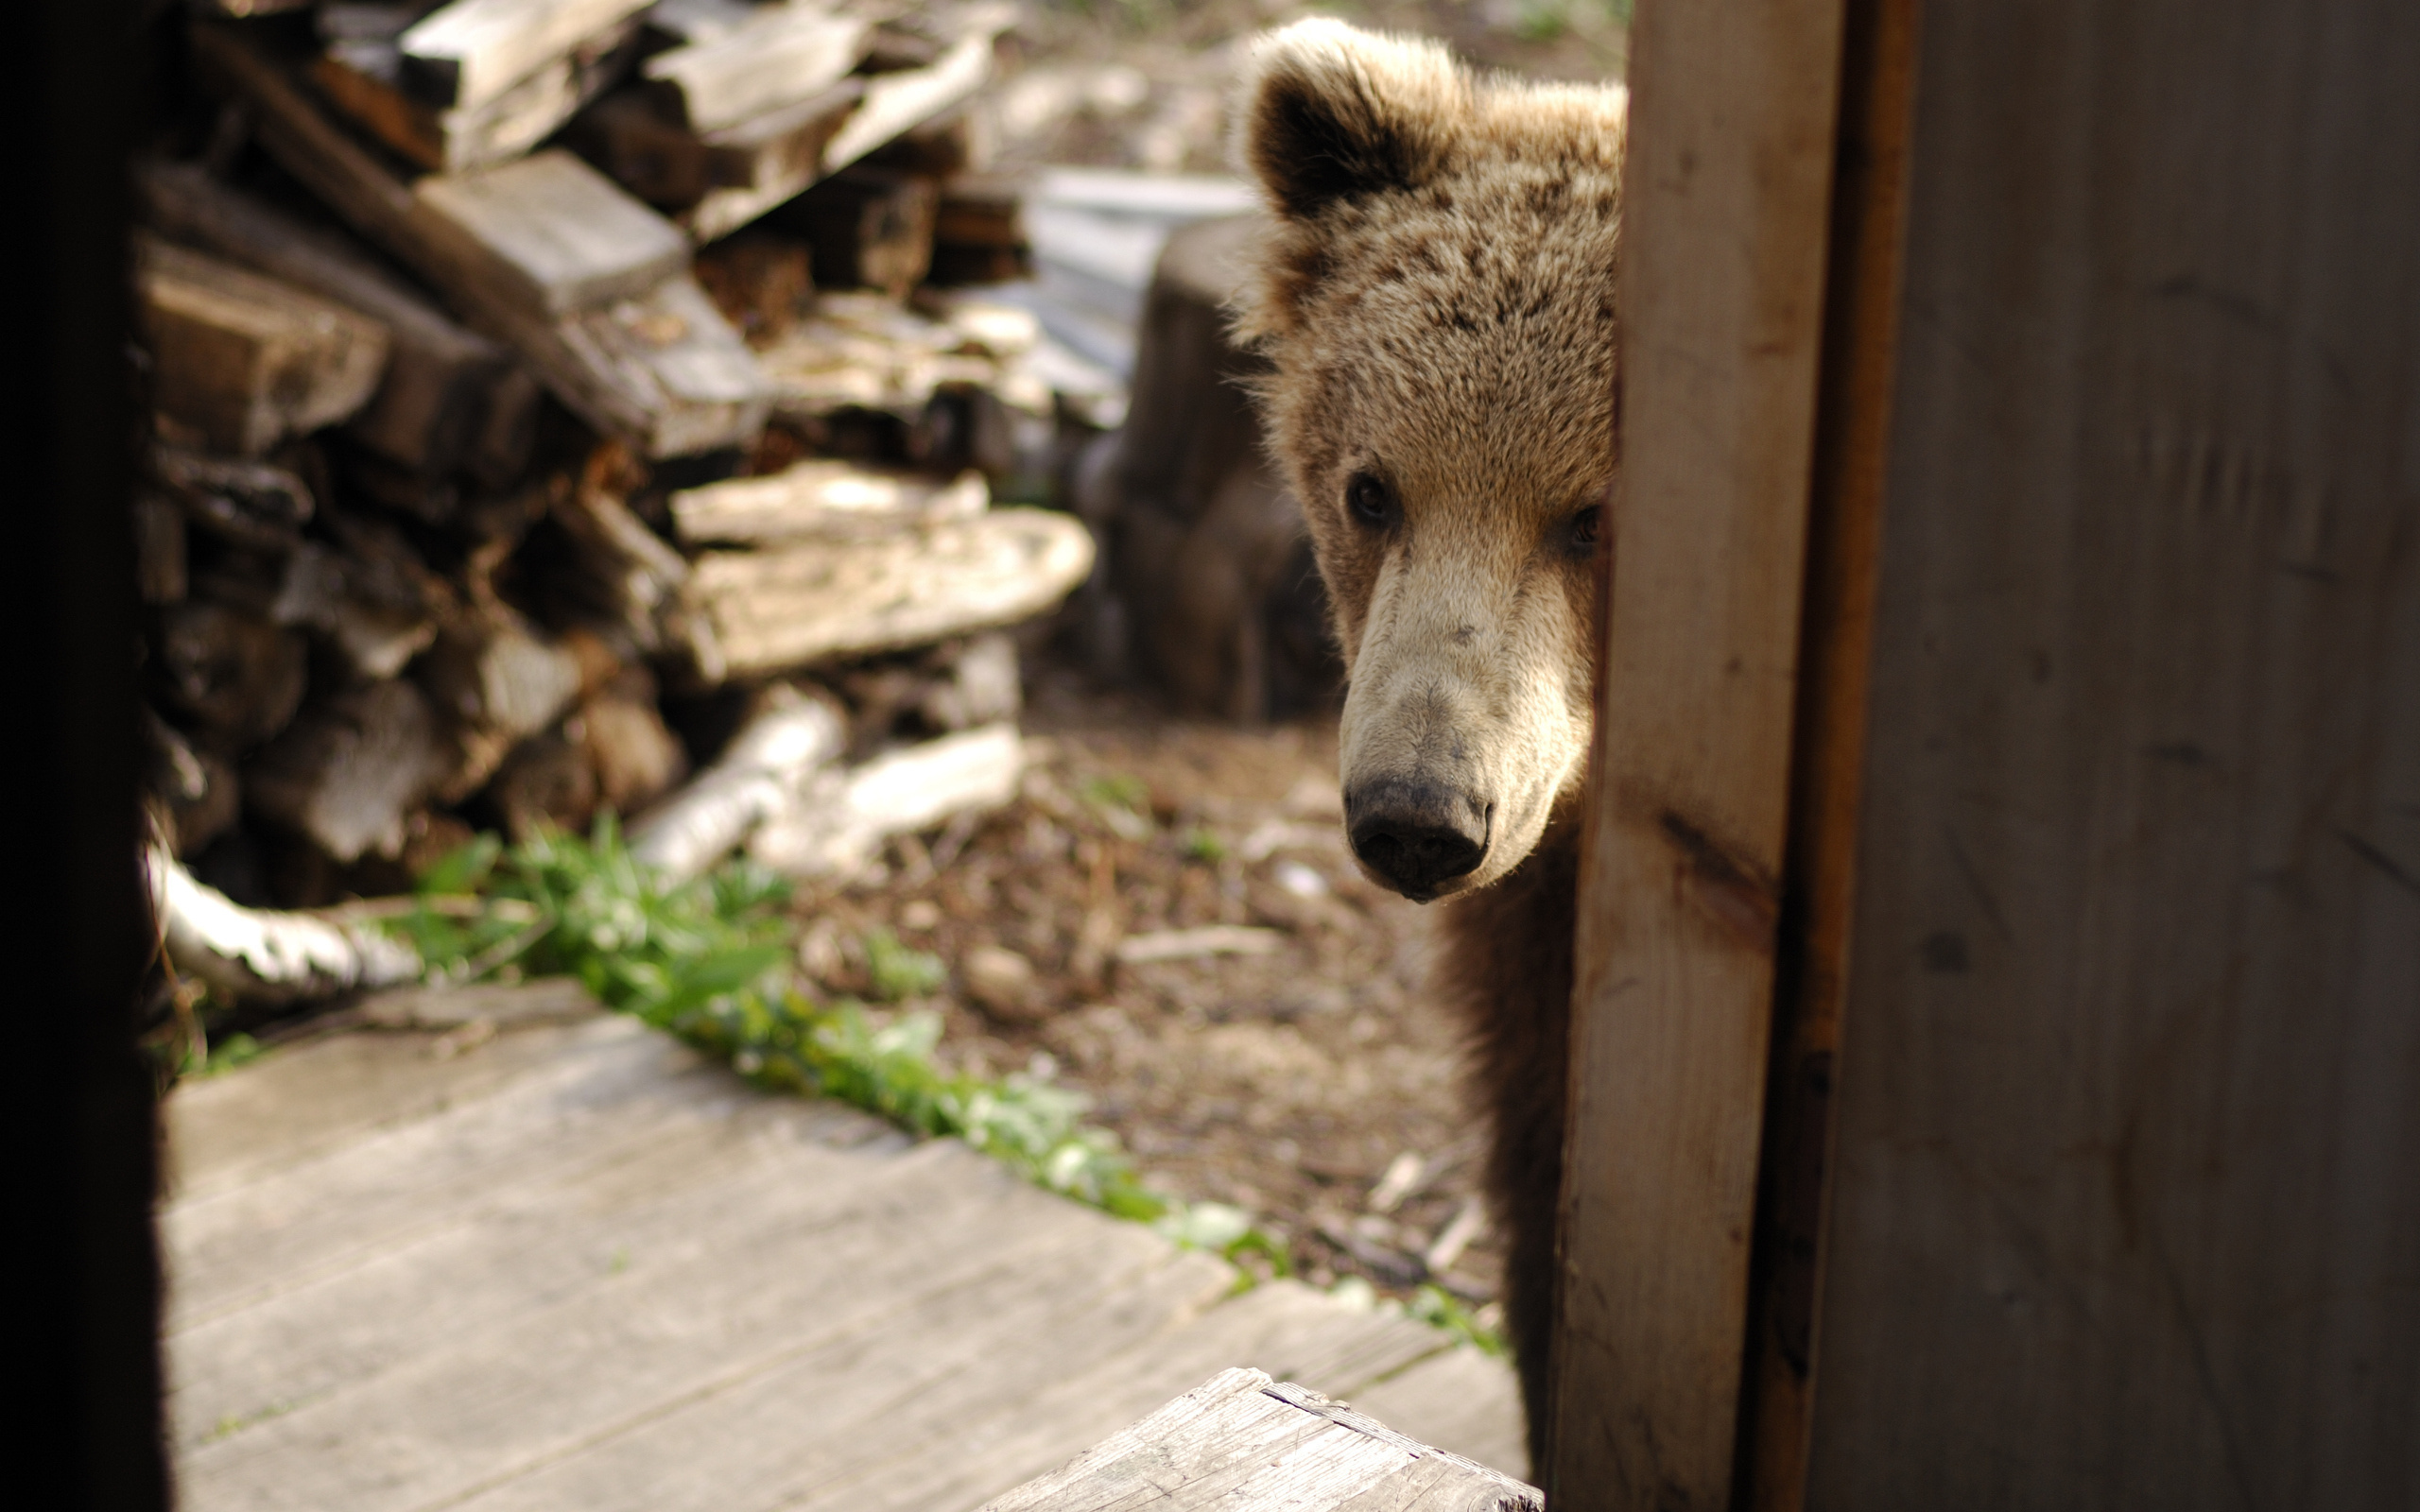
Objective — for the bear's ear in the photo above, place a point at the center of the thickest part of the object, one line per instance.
(1333, 112)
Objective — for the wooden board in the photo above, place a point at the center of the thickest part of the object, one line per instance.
(773, 59)
(662, 369)
(246, 361)
(2121, 1210)
(471, 52)
(552, 235)
(364, 77)
(1727, 190)
(1241, 1441)
(570, 1265)
(786, 606)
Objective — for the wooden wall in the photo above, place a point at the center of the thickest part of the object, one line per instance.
(2125, 1209)
(2030, 891)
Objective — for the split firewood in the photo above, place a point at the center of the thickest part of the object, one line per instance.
(977, 684)
(623, 738)
(838, 825)
(260, 954)
(546, 783)
(252, 503)
(236, 676)
(661, 369)
(802, 604)
(362, 75)
(348, 774)
(896, 102)
(500, 680)
(448, 394)
(762, 284)
(792, 734)
(870, 227)
(822, 498)
(979, 231)
(550, 234)
(472, 52)
(629, 575)
(196, 789)
(775, 59)
(867, 351)
(373, 600)
(246, 361)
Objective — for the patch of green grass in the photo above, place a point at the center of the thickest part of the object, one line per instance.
(1200, 845)
(898, 972)
(1117, 791)
(709, 961)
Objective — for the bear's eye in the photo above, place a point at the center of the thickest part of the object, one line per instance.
(1371, 502)
(1583, 531)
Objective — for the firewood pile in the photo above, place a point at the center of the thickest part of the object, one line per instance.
(563, 406)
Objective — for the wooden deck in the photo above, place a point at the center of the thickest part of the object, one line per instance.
(576, 1266)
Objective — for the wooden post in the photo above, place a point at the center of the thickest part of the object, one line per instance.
(1727, 203)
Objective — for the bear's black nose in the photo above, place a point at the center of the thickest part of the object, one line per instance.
(1417, 835)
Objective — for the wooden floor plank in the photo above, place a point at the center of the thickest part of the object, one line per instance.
(857, 1403)
(1284, 1327)
(531, 1243)
(243, 1241)
(718, 1307)
(298, 1103)
(580, 1268)
(1460, 1401)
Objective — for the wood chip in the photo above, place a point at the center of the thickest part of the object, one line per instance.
(1189, 944)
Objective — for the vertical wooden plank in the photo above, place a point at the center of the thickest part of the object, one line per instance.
(1727, 196)
(1852, 452)
(2129, 1136)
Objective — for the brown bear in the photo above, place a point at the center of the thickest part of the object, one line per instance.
(1436, 299)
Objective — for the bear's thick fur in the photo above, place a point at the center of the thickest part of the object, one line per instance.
(1438, 300)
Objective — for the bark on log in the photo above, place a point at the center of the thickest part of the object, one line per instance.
(235, 675)
(787, 607)
(870, 229)
(500, 681)
(258, 954)
(769, 761)
(248, 361)
(838, 823)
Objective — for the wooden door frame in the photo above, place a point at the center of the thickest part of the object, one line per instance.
(1763, 205)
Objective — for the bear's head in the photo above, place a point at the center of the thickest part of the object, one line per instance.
(1437, 300)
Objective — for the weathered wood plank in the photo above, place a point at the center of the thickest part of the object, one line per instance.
(2121, 1210)
(773, 59)
(1282, 1326)
(608, 1358)
(1727, 198)
(552, 235)
(975, 1348)
(471, 52)
(246, 361)
(785, 608)
(1458, 1399)
(1241, 1441)
(363, 77)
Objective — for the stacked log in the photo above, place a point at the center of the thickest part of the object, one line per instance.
(505, 458)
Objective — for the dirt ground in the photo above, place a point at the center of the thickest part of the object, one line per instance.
(1288, 1083)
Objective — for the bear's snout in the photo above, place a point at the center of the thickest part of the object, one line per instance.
(1417, 837)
